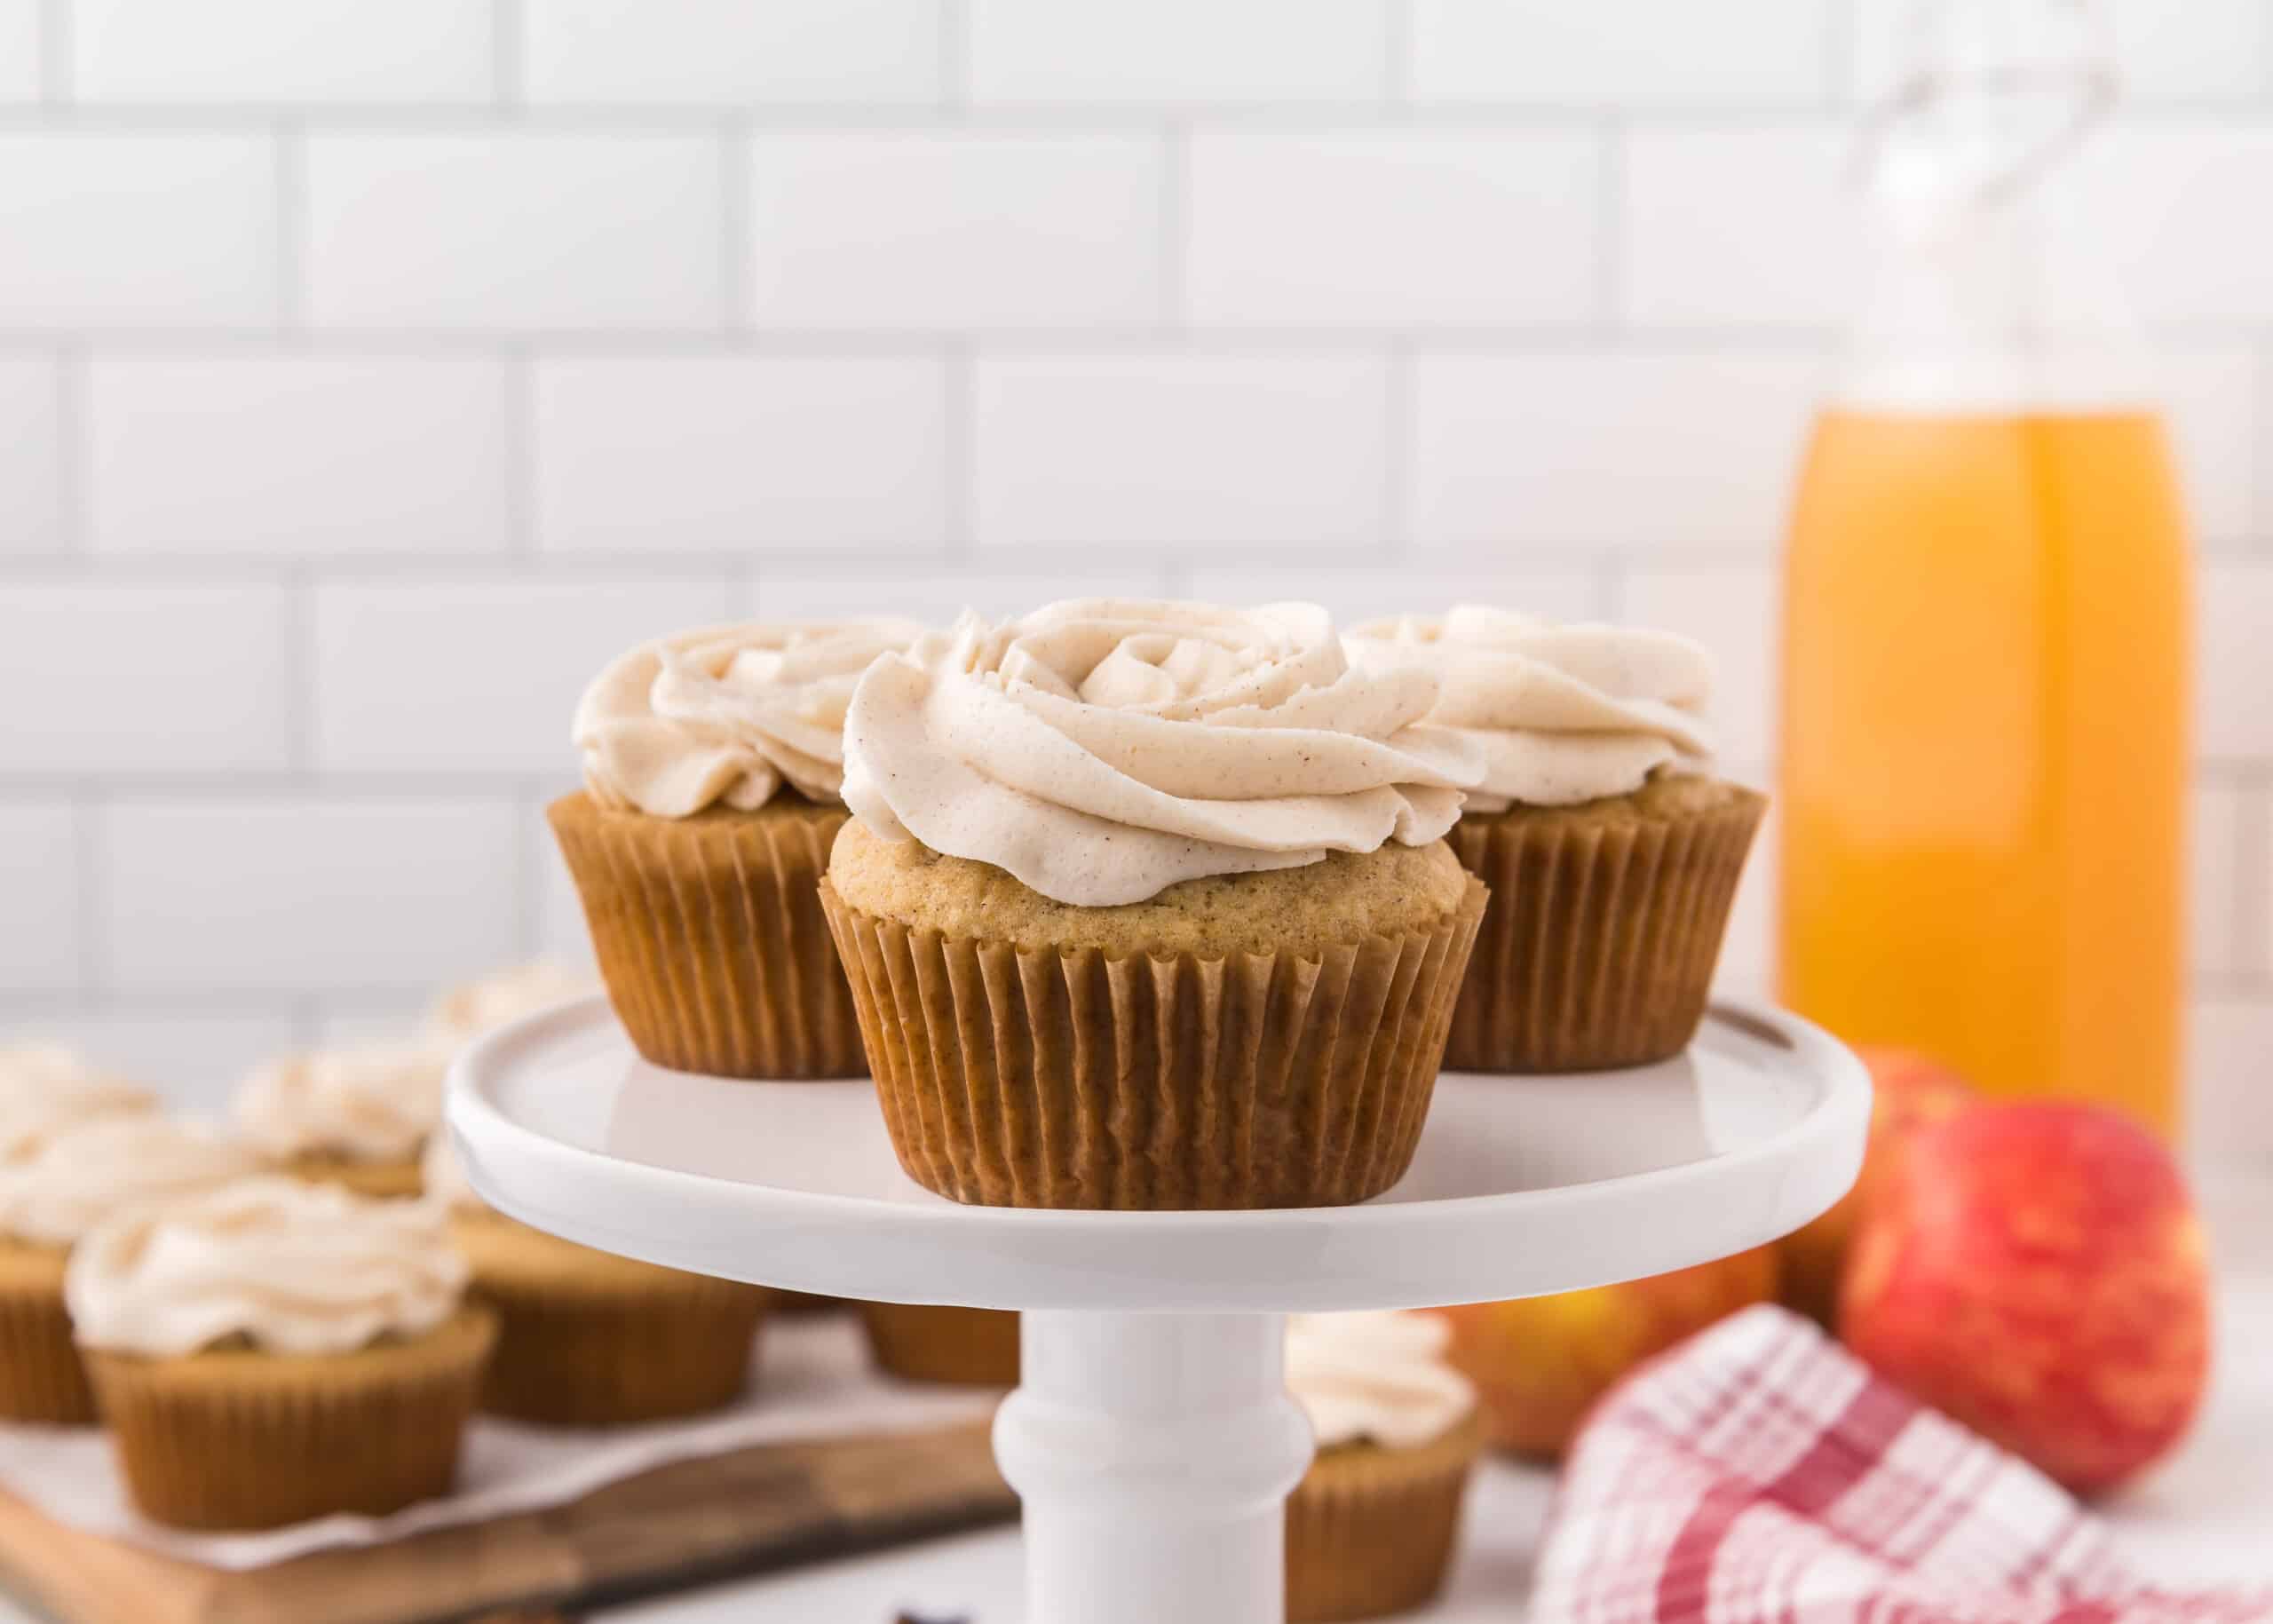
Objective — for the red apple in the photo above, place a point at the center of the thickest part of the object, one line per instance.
(1540, 1363)
(1908, 1091)
(2036, 1270)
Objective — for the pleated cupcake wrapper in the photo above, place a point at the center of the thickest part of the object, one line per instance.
(1370, 1531)
(1015, 1077)
(710, 938)
(1597, 949)
(245, 1440)
(614, 1349)
(42, 1376)
(975, 1347)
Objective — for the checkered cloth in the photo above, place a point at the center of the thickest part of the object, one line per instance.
(1760, 1474)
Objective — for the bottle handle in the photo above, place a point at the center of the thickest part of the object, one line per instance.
(2092, 77)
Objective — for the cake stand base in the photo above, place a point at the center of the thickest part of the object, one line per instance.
(1154, 1454)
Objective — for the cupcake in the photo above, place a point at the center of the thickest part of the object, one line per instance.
(586, 1338)
(354, 1117)
(1612, 854)
(713, 769)
(45, 1088)
(480, 1008)
(1147, 906)
(275, 1350)
(973, 1347)
(55, 1193)
(1370, 1529)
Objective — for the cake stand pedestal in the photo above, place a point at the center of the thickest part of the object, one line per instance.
(1152, 1438)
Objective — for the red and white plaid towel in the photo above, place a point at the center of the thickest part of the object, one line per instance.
(1760, 1474)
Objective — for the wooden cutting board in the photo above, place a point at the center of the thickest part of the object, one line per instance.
(689, 1523)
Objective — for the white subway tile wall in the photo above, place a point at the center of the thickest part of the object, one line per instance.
(368, 374)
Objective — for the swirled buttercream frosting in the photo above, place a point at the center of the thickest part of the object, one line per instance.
(290, 1267)
(106, 1164)
(1560, 714)
(467, 1012)
(364, 1105)
(725, 716)
(1375, 1378)
(45, 1088)
(1100, 750)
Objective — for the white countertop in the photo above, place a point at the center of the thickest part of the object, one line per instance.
(2201, 1518)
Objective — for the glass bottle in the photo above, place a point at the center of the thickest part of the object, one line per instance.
(1986, 608)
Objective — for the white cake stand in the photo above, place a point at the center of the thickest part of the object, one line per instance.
(1151, 1439)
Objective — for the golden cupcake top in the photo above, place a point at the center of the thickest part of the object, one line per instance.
(45, 1088)
(378, 1103)
(1101, 749)
(1375, 1378)
(727, 716)
(284, 1266)
(105, 1164)
(1560, 714)
(466, 1012)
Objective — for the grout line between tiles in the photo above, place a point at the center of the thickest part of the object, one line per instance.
(521, 451)
(289, 263)
(91, 876)
(74, 427)
(508, 53)
(56, 85)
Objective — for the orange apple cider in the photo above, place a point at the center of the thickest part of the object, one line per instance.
(1984, 764)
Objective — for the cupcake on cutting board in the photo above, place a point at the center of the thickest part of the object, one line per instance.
(1371, 1527)
(1611, 851)
(275, 1350)
(713, 769)
(355, 1117)
(586, 1338)
(83, 1146)
(1146, 905)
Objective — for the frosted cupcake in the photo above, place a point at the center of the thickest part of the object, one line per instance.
(713, 771)
(355, 1117)
(53, 1194)
(589, 1339)
(1371, 1527)
(275, 1350)
(45, 1088)
(1611, 853)
(479, 1008)
(971, 1347)
(1145, 904)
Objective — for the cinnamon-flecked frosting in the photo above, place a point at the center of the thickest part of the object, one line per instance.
(467, 1012)
(45, 1088)
(1560, 713)
(726, 714)
(104, 1165)
(291, 1267)
(1100, 750)
(364, 1105)
(1375, 1378)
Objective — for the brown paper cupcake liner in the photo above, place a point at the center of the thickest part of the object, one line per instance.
(1370, 1531)
(1014, 1077)
(588, 1339)
(975, 1347)
(802, 1302)
(710, 937)
(237, 1438)
(1598, 948)
(41, 1377)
